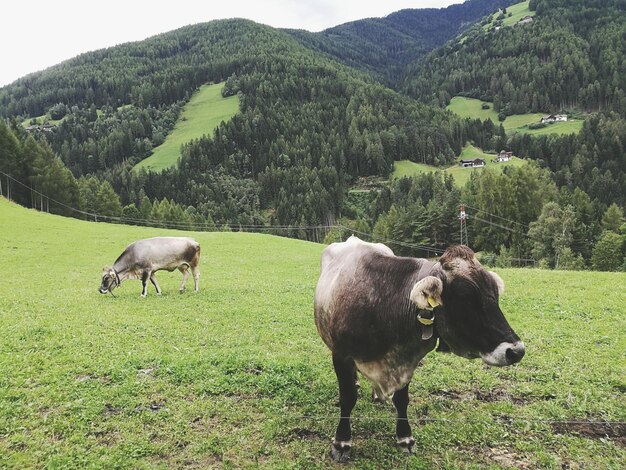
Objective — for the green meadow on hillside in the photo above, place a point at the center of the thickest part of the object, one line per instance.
(472, 108)
(461, 175)
(202, 115)
(517, 11)
(43, 119)
(236, 375)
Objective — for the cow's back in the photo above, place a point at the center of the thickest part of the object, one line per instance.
(361, 297)
(161, 252)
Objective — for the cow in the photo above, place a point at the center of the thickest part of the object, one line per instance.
(381, 314)
(141, 259)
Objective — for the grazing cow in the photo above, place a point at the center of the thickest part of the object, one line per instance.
(141, 259)
(381, 314)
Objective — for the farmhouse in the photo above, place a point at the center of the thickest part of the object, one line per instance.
(504, 156)
(554, 118)
(527, 19)
(476, 163)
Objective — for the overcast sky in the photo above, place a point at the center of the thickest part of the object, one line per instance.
(36, 34)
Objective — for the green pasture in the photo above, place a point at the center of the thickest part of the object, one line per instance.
(461, 175)
(202, 115)
(518, 11)
(568, 127)
(472, 108)
(236, 376)
(404, 168)
(39, 120)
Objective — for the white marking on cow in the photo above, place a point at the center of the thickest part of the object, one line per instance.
(388, 375)
(497, 357)
(407, 441)
(342, 444)
(499, 282)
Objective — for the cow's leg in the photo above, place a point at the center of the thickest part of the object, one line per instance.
(155, 283)
(403, 428)
(185, 270)
(144, 282)
(345, 370)
(196, 277)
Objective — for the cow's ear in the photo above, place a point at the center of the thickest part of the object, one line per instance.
(426, 294)
(499, 282)
(106, 269)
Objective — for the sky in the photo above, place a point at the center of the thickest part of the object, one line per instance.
(37, 34)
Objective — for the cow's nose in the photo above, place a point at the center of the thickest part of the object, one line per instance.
(102, 291)
(516, 352)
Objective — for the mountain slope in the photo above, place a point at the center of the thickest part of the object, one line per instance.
(573, 55)
(308, 125)
(384, 46)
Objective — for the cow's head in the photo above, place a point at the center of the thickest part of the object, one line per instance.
(467, 315)
(110, 280)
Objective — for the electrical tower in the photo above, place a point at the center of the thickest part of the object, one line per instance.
(463, 218)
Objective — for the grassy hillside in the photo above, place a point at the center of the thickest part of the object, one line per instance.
(404, 168)
(472, 108)
(204, 112)
(461, 175)
(517, 12)
(236, 376)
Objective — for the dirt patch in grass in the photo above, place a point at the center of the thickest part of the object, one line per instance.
(153, 406)
(499, 395)
(110, 410)
(85, 377)
(490, 396)
(453, 395)
(509, 459)
(593, 430)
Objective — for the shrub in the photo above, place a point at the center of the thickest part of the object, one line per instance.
(607, 254)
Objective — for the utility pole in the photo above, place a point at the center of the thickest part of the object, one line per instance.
(463, 218)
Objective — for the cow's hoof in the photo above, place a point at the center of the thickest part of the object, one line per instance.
(340, 451)
(181, 291)
(406, 444)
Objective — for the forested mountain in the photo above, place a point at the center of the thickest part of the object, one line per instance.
(572, 56)
(306, 128)
(310, 127)
(385, 46)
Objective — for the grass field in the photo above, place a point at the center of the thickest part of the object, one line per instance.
(461, 175)
(518, 11)
(236, 375)
(472, 108)
(204, 112)
(44, 118)
(404, 168)
(568, 127)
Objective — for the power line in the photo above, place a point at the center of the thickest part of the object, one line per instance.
(243, 227)
(497, 216)
(496, 225)
(181, 225)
